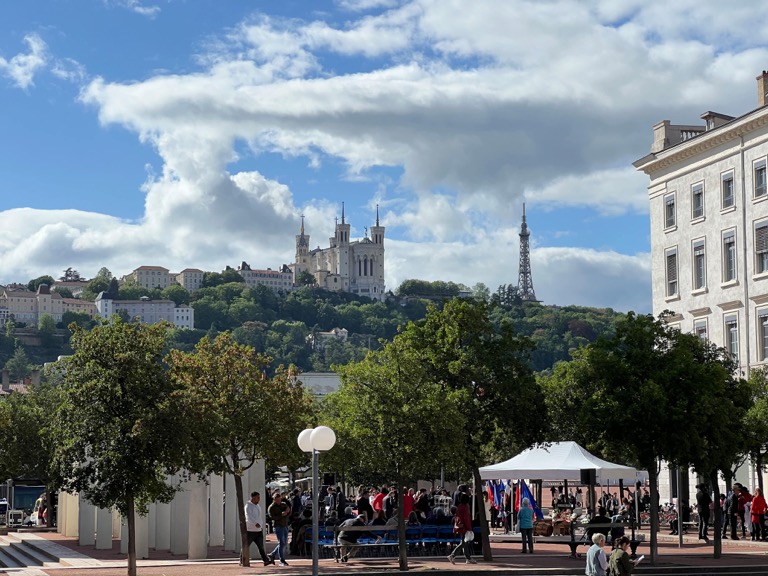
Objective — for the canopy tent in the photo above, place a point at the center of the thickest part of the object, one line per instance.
(560, 461)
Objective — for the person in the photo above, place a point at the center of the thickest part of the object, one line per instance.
(597, 563)
(297, 507)
(745, 498)
(601, 518)
(733, 511)
(280, 512)
(413, 519)
(364, 504)
(525, 520)
(378, 501)
(348, 538)
(703, 501)
(462, 523)
(759, 508)
(254, 526)
(619, 562)
(674, 523)
(341, 501)
(298, 538)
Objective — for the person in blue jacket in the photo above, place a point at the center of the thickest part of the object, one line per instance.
(525, 520)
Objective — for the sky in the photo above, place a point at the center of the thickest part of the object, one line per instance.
(196, 133)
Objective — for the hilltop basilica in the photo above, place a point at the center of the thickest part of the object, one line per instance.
(356, 267)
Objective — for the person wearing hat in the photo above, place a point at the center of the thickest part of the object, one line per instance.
(348, 538)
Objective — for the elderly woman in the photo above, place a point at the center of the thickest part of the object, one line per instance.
(525, 519)
(597, 563)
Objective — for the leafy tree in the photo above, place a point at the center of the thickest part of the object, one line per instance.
(118, 429)
(489, 365)
(19, 366)
(46, 328)
(33, 285)
(80, 318)
(63, 291)
(114, 288)
(647, 368)
(437, 288)
(305, 278)
(755, 426)
(26, 446)
(103, 274)
(231, 275)
(177, 293)
(240, 415)
(393, 417)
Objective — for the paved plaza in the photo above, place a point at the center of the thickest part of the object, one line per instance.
(548, 557)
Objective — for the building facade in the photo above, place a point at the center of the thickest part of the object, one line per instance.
(709, 228)
(346, 266)
(709, 234)
(150, 277)
(281, 279)
(147, 311)
(26, 306)
(190, 278)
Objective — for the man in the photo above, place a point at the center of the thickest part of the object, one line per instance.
(733, 511)
(254, 526)
(297, 506)
(364, 504)
(280, 512)
(703, 500)
(330, 500)
(378, 500)
(348, 538)
(601, 518)
(744, 498)
(341, 501)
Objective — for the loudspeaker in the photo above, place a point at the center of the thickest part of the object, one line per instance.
(330, 479)
(588, 476)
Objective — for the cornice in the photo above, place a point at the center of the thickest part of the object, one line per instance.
(706, 141)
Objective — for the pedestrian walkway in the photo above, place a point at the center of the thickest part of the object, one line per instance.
(742, 556)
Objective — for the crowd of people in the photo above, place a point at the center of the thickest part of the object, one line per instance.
(290, 514)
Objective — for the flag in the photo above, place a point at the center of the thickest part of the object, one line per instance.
(526, 493)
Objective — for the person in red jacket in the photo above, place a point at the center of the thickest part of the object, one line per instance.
(462, 524)
(759, 508)
(744, 497)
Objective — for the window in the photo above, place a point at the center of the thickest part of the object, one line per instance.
(669, 211)
(671, 272)
(761, 247)
(726, 185)
(699, 265)
(759, 176)
(697, 200)
(700, 329)
(762, 333)
(732, 336)
(729, 256)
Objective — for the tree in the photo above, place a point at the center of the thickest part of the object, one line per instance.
(305, 278)
(104, 274)
(19, 366)
(393, 417)
(240, 415)
(80, 318)
(33, 285)
(63, 291)
(46, 328)
(490, 365)
(118, 429)
(177, 293)
(648, 368)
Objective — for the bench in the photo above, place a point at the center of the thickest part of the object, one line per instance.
(574, 542)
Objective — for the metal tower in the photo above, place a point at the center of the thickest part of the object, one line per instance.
(525, 280)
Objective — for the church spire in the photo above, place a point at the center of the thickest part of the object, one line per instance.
(342, 212)
(302, 224)
(377, 214)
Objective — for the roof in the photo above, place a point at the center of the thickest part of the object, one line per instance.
(152, 268)
(557, 461)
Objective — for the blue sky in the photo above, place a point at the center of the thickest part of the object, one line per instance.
(194, 133)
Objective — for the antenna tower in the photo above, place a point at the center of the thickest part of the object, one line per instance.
(525, 280)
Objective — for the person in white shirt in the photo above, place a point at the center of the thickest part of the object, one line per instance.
(254, 525)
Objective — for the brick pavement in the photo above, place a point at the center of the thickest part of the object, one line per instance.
(507, 558)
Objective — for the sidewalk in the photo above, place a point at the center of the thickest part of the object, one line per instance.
(507, 558)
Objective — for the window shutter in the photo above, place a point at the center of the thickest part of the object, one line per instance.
(672, 266)
(761, 239)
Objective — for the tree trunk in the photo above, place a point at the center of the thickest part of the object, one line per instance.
(245, 553)
(653, 485)
(718, 535)
(401, 525)
(48, 508)
(484, 534)
(131, 537)
(759, 469)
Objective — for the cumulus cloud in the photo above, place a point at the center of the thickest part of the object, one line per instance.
(22, 67)
(136, 6)
(478, 105)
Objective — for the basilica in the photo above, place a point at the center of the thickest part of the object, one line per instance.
(350, 266)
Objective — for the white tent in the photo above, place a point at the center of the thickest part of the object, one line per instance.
(559, 461)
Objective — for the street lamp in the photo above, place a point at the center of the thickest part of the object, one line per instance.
(314, 441)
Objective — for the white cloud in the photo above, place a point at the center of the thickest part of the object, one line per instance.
(22, 67)
(136, 6)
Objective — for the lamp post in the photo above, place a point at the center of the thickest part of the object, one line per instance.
(314, 441)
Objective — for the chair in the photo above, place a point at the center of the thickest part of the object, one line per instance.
(446, 538)
(308, 539)
(413, 539)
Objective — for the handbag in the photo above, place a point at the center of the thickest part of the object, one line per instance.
(469, 535)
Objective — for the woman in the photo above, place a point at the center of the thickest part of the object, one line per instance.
(413, 519)
(759, 507)
(620, 563)
(462, 523)
(597, 563)
(525, 519)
